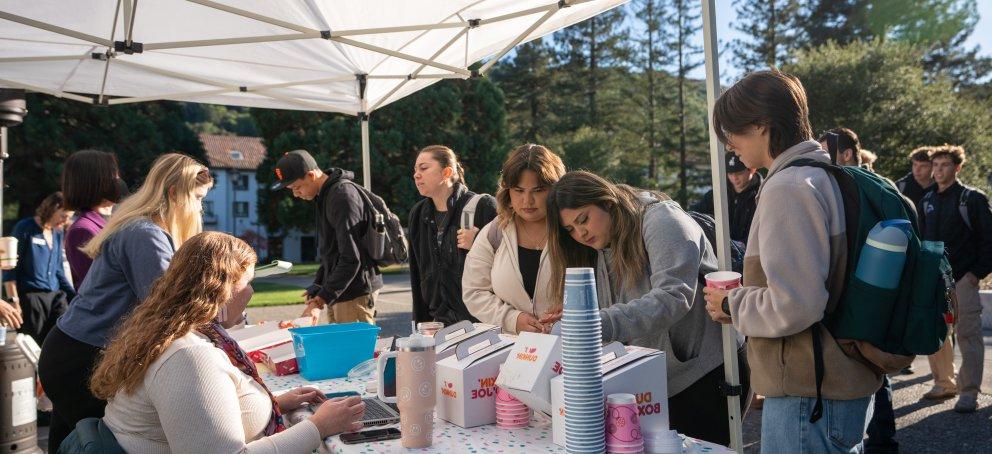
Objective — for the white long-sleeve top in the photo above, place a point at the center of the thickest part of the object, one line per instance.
(194, 400)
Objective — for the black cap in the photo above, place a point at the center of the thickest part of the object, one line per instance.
(292, 166)
(734, 163)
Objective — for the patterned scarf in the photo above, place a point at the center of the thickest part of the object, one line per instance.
(239, 359)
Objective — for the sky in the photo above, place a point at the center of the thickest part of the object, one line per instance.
(725, 15)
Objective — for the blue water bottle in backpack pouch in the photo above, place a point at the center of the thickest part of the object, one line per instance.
(884, 254)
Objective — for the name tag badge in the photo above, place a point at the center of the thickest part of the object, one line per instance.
(39, 241)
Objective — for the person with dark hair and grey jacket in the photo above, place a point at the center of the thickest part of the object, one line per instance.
(649, 255)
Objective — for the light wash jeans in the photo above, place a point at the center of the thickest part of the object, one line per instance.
(785, 426)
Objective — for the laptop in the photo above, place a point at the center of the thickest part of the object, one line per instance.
(377, 412)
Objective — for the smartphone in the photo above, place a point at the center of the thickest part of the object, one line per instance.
(389, 378)
(366, 436)
(341, 394)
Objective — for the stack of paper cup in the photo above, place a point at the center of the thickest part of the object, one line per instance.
(510, 412)
(623, 428)
(582, 348)
(662, 442)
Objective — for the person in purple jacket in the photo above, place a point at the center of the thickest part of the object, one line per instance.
(92, 186)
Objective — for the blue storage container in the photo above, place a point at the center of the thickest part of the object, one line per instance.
(330, 351)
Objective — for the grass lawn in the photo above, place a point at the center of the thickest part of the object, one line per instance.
(271, 294)
(309, 269)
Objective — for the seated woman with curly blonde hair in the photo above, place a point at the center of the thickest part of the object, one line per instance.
(176, 382)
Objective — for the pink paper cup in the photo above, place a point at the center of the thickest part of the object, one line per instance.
(723, 280)
(623, 427)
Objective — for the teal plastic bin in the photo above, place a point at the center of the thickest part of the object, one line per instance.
(330, 351)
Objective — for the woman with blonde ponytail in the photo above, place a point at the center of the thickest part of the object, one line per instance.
(176, 382)
(131, 252)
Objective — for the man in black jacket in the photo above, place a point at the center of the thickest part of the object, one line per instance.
(919, 180)
(347, 281)
(960, 217)
(741, 193)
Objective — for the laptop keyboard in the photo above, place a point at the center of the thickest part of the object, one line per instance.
(376, 413)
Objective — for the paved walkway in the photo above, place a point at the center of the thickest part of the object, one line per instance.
(922, 426)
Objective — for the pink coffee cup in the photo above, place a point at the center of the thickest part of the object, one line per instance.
(723, 280)
(623, 426)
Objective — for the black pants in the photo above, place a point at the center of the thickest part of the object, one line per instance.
(882, 427)
(40, 310)
(65, 367)
(700, 411)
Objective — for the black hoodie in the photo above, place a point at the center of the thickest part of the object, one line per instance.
(741, 206)
(436, 262)
(345, 271)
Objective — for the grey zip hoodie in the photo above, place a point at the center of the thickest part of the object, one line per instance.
(665, 309)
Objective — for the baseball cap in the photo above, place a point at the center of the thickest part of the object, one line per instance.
(734, 163)
(292, 166)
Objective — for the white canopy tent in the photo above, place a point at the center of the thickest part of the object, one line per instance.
(349, 57)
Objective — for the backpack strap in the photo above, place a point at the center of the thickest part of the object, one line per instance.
(495, 235)
(963, 206)
(468, 211)
(817, 412)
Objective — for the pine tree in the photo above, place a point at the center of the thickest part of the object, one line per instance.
(773, 28)
(685, 22)
(526, 82)
(651, 58)
(587, 54)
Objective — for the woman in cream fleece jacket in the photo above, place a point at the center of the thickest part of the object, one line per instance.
(176, 382)
(506, 275)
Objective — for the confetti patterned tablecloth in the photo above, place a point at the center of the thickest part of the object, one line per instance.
(448, 438)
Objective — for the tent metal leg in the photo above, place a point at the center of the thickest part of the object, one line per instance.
(366, 161)
(731, 368)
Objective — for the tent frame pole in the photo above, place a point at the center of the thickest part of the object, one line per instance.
(730, 366)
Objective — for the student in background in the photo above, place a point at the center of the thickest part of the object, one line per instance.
(960, 217)
(439, 243)
(38, 284)
(347, 282)
(919, 180)
(741, 197)
(92, 186)
(507, 280)
(848, 147)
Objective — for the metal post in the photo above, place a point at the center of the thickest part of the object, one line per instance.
(366, 160)
(3, 157)
(730, 365)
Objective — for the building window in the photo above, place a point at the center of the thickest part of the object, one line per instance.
(240, 182)
(240, 209)
(236, 155)
(208, 208)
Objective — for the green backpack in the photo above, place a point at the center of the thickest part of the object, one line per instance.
(899, 323)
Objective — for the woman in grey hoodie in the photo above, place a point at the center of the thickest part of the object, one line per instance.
(648, 254)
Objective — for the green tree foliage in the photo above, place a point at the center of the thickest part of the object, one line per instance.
(773, 31)
(526, 80)
(939, 27)
(55, 128)
(685, 22)
(878, 89)
(223, 120)
(469, 116)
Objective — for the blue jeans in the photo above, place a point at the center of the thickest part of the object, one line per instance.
(785, 426)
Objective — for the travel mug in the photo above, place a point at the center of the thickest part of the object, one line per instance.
(415, 394)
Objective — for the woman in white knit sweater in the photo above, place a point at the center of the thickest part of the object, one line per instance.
(176, 382)
(506, 274)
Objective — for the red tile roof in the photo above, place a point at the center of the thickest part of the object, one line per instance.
(219, 150)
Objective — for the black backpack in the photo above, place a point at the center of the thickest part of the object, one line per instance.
(384, 240)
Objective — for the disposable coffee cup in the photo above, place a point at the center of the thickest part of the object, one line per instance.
(429, 328)
(723, 280)
(8, 252)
